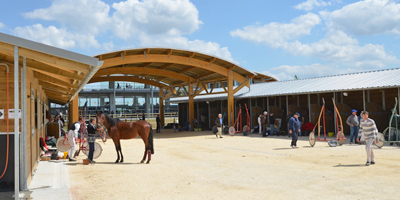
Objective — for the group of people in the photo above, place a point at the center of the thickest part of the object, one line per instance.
(360, 126)
(77, 129)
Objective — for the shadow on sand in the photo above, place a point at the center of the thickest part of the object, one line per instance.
(354, 165)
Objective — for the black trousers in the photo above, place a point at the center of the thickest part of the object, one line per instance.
(295, 135)
(158, 130)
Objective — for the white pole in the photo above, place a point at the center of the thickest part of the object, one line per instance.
(16, 123)
(24, 135)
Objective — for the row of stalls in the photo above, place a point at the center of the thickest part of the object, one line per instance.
(36, 107)
(379, 100)
(38, 74)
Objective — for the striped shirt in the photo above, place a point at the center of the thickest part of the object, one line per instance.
(368, 128)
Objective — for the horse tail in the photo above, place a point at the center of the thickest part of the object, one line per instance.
(150, 140)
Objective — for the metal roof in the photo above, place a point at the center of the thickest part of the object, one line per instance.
(54, 51)
(379, 79)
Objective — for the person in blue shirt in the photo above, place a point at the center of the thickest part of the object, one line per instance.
(294, 129)
(219, 124)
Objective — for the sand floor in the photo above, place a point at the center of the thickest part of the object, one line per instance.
(197, 165)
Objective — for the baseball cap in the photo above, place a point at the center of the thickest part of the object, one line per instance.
(296, 114)
(354, 110)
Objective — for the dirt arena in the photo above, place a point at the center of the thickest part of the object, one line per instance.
(197, 165)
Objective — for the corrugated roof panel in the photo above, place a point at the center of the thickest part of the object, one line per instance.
(356, 81)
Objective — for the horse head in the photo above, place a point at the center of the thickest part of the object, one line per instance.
(100, 118)
(48, 116)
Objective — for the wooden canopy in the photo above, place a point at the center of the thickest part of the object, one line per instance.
(61, 73)
(176, 72)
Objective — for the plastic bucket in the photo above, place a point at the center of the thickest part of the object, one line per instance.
(65, 155)
(331, 134)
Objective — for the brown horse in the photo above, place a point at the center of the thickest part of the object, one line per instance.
(118, 130)
(48, 116)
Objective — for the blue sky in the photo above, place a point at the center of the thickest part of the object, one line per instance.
(307, 38)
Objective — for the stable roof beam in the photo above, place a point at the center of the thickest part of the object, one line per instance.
(161, 103)
(230, 97)
(191, 104)
(73, 112)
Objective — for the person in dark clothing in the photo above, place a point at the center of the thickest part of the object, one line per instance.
(143, 117)
(219, 122)
(272, 122)
(294, 129)
(158, 121)
(91, 138)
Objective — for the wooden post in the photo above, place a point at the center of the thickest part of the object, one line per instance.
(191, 104)
(230, 97)
(73, 112)
(161, 103)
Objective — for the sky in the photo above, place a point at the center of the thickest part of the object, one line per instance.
(307, 38)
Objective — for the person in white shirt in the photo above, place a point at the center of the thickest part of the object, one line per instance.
(73, 131)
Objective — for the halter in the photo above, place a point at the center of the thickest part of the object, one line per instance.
(102, 117)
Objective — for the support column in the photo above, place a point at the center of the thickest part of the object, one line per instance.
(147, 109)
(231, 101)
(161, 103)
(23, 170)
(191, 104)
(383, 100)
(309, 107)
(267, 108)
(16, 123)
(73, 112)
(287, 106)
(364, 106)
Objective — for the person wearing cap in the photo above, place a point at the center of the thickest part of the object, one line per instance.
(294, 125)
(264, 123)
(369, 133)
(354, 124)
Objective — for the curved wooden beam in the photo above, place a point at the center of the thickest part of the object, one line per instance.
(148, 71)
(158, 58)
(127, 78)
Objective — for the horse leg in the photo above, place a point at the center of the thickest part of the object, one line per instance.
(144, 156)
(117, 145)
(149, 153)
(120, 151)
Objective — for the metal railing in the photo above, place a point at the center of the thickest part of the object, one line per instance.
(128, 117)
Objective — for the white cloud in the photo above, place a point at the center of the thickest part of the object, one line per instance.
(2, 25)
(151, 22)
(276, 34)
(57, 37)
(310, 4)
(155, 17)
(179, 42)
(369, 17)
(286, 72)
(87, 16)
(336, 46)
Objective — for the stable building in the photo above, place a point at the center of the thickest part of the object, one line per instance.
(374, 91)
(33, 75)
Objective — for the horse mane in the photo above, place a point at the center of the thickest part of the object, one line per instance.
(112, 121)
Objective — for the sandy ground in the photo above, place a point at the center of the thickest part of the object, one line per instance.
(197, 165)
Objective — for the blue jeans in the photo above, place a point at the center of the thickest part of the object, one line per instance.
(91, 150)
(272, 128)
(353, 133)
